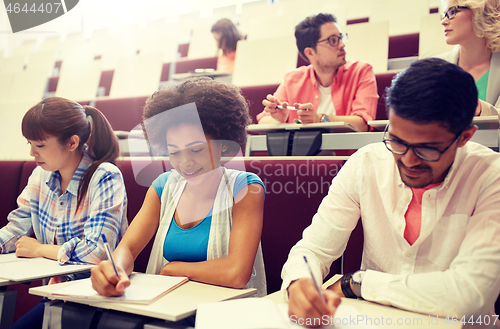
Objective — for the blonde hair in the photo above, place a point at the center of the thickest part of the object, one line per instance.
(485, 20)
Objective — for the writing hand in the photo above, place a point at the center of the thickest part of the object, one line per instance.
(305, 302)
(104, 279)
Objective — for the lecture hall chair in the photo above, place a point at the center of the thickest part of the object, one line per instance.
(265, 61)
(79, 82)
(368, 42)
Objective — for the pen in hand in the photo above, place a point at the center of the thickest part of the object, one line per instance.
(281, 107)
(110, 256)
(315, 283)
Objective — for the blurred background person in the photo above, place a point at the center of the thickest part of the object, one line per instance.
(227, 35)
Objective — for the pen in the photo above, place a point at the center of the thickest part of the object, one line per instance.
(312, 277)
(110, 256)
(281, 107)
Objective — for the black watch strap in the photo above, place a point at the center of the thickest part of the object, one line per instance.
(345, 285)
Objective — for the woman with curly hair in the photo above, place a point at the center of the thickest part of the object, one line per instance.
(226, 35)
(474, 26)
(207, 219)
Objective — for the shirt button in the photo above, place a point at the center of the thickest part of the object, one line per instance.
(405, 198)
(408, 254)
(62, 203)
(374, 295)
(58, 225)
(399, 226)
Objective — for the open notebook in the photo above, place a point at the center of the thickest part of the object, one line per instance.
(143, 289)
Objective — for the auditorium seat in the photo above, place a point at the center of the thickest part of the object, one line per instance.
(403, 45)
(189, 65)
(202, 44)
(261, 27)
(228, 12)
(369, 42)
(254, 96)
(136, 76)
(123, 113)
(392, 11)
(41, 60)
(432, 40)
(105, 81)
(383, 81)
(264, 62)
(85, 76)
(28, 85)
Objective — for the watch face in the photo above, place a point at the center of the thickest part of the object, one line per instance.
(358, 276)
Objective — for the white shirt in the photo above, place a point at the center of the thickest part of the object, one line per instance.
(325, 105)
(453, 268)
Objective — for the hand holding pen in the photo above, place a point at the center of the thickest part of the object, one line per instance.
(108, 278)
(278, 110)
(306, 300)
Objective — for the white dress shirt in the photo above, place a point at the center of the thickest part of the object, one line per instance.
(453, 268)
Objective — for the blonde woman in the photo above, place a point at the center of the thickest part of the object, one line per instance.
(474, 27)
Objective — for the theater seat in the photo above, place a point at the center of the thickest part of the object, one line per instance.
(123, 113)
(383, 81)
(255, 95)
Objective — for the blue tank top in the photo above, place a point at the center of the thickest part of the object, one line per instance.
(190, 245)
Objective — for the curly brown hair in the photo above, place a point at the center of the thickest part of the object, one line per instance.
(221, 108)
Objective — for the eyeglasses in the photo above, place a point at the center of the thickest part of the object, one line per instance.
(333, 40)
(426, 153)
(452, 12)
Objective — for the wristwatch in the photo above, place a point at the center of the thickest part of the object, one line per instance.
(325, 118)
(345, 284)
(357, 280)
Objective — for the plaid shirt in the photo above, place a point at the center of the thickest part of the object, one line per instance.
(52, 216)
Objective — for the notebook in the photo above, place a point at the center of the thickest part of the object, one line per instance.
(143, 289)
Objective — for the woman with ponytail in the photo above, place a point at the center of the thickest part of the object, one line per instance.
(74, 195)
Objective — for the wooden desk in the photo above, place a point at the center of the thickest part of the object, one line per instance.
(483, 123)
(374, 311)
(8, 297)
(174, 306)
(487, 135)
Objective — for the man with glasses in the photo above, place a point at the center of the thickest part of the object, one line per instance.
(331, 88)
(429, 201)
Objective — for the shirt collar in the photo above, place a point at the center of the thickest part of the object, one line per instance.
(54, 179)
(336, 80)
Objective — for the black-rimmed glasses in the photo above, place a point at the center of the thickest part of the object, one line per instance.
(452, 12)
(426, 153)
(333, 40)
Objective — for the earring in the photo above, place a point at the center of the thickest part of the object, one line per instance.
(224, 148)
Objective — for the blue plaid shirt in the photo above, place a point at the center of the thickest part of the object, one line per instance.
(52, 217)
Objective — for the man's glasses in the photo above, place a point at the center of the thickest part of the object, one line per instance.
(333, 40)
(426, 153)
(452, 12)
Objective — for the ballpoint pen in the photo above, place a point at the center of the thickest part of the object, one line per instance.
(110, 256)
(315, 283)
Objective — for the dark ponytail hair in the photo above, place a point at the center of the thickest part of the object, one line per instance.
(62, 118)
(229, 35)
